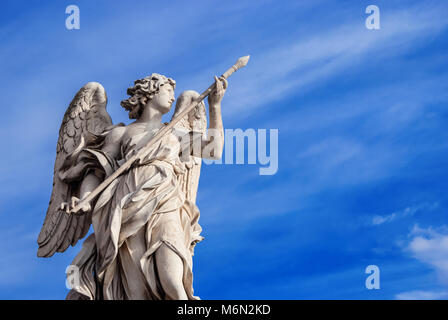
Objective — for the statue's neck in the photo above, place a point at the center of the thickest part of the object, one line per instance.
(151, 116)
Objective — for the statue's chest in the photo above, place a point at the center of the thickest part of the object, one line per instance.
(137, 131)
(138, 138)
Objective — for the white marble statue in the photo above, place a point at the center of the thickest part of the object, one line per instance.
(136, 185)
(145, 222)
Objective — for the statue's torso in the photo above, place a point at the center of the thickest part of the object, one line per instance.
(136, 136)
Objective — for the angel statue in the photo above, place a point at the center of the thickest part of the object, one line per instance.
(145, 222)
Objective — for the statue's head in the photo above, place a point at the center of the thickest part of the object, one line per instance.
(147, 89)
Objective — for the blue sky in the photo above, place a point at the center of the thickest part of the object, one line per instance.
(361, 114)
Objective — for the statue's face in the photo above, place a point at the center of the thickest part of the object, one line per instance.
(164, 98)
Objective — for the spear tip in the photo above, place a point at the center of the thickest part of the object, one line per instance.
(242, 62)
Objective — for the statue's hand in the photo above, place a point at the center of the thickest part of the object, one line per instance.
(217, 94)
(70, 207)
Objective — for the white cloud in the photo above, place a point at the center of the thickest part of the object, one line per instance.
(429, 246)
(422, 295)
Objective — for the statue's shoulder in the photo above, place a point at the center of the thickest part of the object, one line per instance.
(115, 133)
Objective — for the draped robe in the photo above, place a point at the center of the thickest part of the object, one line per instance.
(141, 210)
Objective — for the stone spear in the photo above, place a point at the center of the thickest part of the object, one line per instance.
(242, 62)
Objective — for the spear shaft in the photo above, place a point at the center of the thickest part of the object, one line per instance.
(242, 62)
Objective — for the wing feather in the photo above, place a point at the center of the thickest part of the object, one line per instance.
(85, 114)
(195, 121)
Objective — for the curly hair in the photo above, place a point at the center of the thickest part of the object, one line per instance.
(143, 91)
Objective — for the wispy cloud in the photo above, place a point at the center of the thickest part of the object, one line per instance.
(407, 212)
(306, 62)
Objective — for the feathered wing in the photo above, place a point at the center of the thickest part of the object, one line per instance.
(195, 121)
(85, 115)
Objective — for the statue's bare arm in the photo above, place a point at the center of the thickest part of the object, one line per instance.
(212, 146)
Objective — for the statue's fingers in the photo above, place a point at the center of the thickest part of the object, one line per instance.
(222, 89)
(218, 84)
(85, 207)
(65, 207)
(224, 80)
